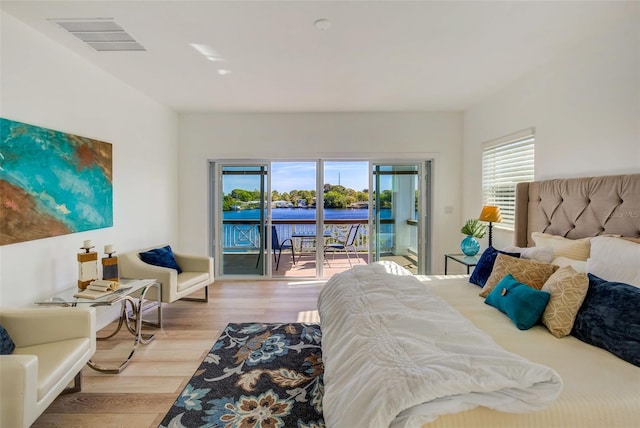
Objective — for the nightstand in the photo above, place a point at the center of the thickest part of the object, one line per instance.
(468, 261)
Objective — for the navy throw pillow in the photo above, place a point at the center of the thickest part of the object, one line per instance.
(609, 318)
(523, 304)
(161, 257)
(484, 267)
(6, 344)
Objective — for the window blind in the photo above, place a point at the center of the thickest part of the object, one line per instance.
(506, 162)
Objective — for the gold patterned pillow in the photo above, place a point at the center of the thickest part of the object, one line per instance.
(529, 272)
(568, 289)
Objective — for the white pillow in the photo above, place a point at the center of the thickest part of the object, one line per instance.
(608, 250)
(540, 254)
(579, 266)
(614, 272)
(577, 249)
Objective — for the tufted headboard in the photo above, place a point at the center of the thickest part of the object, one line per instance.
(578, 207)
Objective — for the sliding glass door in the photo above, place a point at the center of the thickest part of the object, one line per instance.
(242, 211)
(309, 219)
(294, 219)
(265, 220)
(398, 215)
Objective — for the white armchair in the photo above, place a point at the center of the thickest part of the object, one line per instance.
(52, 347)
(197, 273)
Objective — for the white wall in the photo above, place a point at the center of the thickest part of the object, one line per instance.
(210, 136)
(44, 84)
(585, 107)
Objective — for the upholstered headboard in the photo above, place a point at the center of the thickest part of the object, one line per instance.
(578, 207)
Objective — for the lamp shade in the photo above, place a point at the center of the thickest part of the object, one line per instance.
(491, 214)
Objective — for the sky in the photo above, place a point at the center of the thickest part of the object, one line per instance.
(287, 176)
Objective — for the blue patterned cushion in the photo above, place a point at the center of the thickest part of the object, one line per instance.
(523, 304)
(161, 257)
(609, 318)
(484, 267)
(6, 344)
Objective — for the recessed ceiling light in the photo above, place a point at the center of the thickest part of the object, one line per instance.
(322, 24)
(223, 71)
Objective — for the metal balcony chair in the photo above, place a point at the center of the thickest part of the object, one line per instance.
(348, 243)
(277, 247)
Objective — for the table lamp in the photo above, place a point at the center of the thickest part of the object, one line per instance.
(491, 214)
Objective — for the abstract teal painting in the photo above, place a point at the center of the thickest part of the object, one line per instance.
(52, 183)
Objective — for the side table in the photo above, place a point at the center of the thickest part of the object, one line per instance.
(468, 261)
(122, 296)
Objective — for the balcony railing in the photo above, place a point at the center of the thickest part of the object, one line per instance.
(242, 235)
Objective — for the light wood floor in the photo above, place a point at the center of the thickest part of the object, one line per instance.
(142, 394)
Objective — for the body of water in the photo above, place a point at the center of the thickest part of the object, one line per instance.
(306, 213)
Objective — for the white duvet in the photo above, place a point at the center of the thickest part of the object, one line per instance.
(395, 354)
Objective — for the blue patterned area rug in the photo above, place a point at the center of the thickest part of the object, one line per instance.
(256, 376)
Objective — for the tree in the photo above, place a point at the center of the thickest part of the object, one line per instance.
(362, 196)
(386, 199)
(335, 187)
(243, 195)
(333, 199)
(228, 202)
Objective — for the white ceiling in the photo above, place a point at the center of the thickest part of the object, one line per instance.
(377, 56)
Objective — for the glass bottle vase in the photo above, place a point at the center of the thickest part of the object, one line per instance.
(470, 246)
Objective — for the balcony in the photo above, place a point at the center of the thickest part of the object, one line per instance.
(241, 244)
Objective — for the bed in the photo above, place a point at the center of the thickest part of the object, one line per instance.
(397, 352)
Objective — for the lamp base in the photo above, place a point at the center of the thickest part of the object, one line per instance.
(490, 235)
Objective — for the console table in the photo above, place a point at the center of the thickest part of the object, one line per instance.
(123, 296)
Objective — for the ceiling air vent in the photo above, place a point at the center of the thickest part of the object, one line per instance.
(102, 34)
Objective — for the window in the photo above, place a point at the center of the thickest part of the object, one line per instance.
(505, 162)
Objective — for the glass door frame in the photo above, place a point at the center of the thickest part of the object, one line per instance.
(423, 216)
(425, 190)
(216, 213)
(216, 193)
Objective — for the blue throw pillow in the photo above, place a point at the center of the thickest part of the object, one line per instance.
(161, 257)
(523, 304)
(6, 344)
(483, 269)
(609, 318)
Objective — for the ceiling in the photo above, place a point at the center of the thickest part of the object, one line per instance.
(377, 55)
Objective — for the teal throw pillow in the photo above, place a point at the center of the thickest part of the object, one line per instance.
(161, 257)
(6, 343)
(523, 304)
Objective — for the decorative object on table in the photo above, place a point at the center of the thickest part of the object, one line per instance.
(473, 229)
(103, 285)
(491, 214)
(55, 183)
(98, 288)
(110, 264)
(87, 265)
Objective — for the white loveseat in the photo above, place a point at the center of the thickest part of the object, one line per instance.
(52, 347)
(197, 273)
